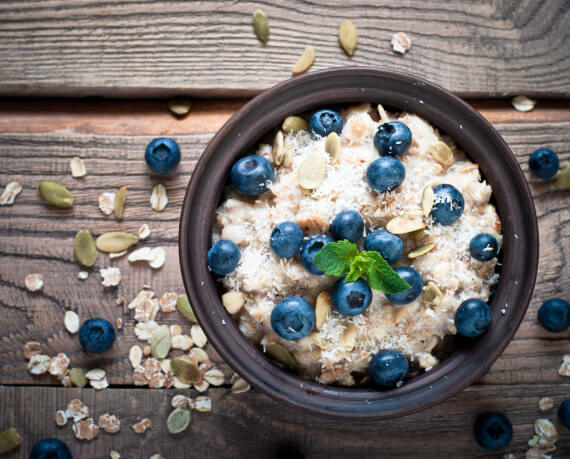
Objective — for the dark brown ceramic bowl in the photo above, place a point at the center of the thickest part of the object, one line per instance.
(448, 113)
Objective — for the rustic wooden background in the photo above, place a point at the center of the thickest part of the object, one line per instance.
(147, 49)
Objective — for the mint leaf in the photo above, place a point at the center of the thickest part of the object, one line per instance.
(335, 258)
(380, 274)
(358, 268)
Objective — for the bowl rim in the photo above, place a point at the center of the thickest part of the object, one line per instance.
(446, 112)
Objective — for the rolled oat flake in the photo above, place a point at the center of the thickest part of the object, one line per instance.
(178, 420)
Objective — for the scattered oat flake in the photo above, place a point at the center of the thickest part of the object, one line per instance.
(180, 385)
(180, 401)
(9, 194)
(85, 430)
(146, 311)
(82, 275)
(401, 42)
(141, 297)
(198, 335)
(30, 349)
(202, 387)
(545, 404)
(168, 302)
(60, 418)
(111, 276)
(109, 423)
(117, 254)
(183, 342)
(39, 364)
(156, 456)
(71, 322)
(59, 365)
(135, 356)
(119, 323)
(142, 254)
(77, 410)
(240, 385)
(523, 103)
(143, 330)
(175, 330)
(34, 282)
(158, 198)
(96, 374)
(564, 369)
(99, 385)
(77, 167)
(141, 426)
(203, 404)
(107, 202)
(545, 429)
(143, 232)
(157, 381)
(114, 454)
(138, 377)
(120, 300)
(158, 255)
(199, 355)
(215, 377)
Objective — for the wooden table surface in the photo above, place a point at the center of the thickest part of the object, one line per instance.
(149, 49)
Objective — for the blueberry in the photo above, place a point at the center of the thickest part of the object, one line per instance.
(310, 248)
(162, 155)
(293, 318)
(390, 246)
(473, 317)
(286, 239)
(543, 163)
(385, 174)
(388, 368)
(351, 298)
(484, 247)
(324, 122)
(96, 335)
(448, 204)
(251, 175)
(393, 138)
(412, 277)
(493, 431)
(347, 224)
(50, 448)
(554, 315)
(564, 413)
(223, 257)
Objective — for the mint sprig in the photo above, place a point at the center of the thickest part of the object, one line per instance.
(337, 258)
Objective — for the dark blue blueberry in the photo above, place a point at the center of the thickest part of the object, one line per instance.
(50, 448)
(351, 298)
(412, 277)
(96, 335)
(493, 431)
(347, 224)
(564, 413)
(554, 315)
(473, 317)
(385, 174)
(310, 248)
(484, 247)
(293, 318)
(162, 155)
(448, 204)
(390, 246)
(286, 239)
(388, 368)
(324, 122)
(251, 175)
(543, 163)
(393, 138)
(223, 257)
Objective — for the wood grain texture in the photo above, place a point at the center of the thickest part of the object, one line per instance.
(96, 47)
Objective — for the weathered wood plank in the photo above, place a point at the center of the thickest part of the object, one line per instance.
(208, 48)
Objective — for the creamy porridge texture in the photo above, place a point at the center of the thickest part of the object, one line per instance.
(340, 348)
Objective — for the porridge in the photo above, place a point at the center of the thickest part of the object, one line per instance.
(393, 186)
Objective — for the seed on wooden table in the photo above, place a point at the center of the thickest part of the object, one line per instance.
(71, 322)
(9, 194)
(180, 106)
(82, 275)
(9, 439)
(119, 202)
(84, 248)
(115, 241)
(160, 342)
(294, 124)
(305, 61)
(107, 202)
(178, 420)
(34, 282)
(198, 336)
(183, 305)
(348, 36)
(143, 232)
(312, 171)
(185, 370)
(77, 167)
(562, 179)
(77, 376)
(158, 198)
(56, 194)
(261, 25)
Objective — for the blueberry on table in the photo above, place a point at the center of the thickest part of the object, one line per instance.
(543, 163)
(293, 318)
(310, 248)
(162, 155)
(388, 368)
(564, 413)
(223, 257)
(347, 224)
(251, 175)
(96, 335)
(473, 318)
(323, 122)
(484, 247)
(50, 448)
(393, 138)
(286, 239)
(493, 431)
(351, 298)
(385, 174)
(412, 277)
(390, 246)
(554, 315)
(448, 204)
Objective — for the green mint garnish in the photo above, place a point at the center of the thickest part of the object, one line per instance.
(337, 258)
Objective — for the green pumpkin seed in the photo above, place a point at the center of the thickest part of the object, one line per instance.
(180, 106)
(305, 61)
(77, 377)
(186, 370)
(280, 355)
(442, 153)
(119, 203)
(261, 25)
(178, 420)
(420, 251)
(428, 197)
(184, 306)
(115, 241)
(160, 342)
(55, 194)
(9, 439)
(432, 294)
(294, 124)
(278, 152)
(348, 36)
(332, 146)
(84, 248)
(562, 180)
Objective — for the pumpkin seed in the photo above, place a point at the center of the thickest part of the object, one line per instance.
(280, 355)
(184, 306)
(115, 241)
(233, 301)
(562, 180)
(442, 153)
(55, 194)
(312, 171)
(78, 378)
(261, 25)
(420, 251)
(427, 200)
(178, 420)
(186, 370)
(278, 152)
(288, 157)
(348, 36)
(119, 203)
(432, 294)
(322, 309)
(160, 342)
(77, 167)
(9, 439)
(403, 225)
(332, 146)
(180, 106)
(305, 61)
(84, 248)
(294, 124)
